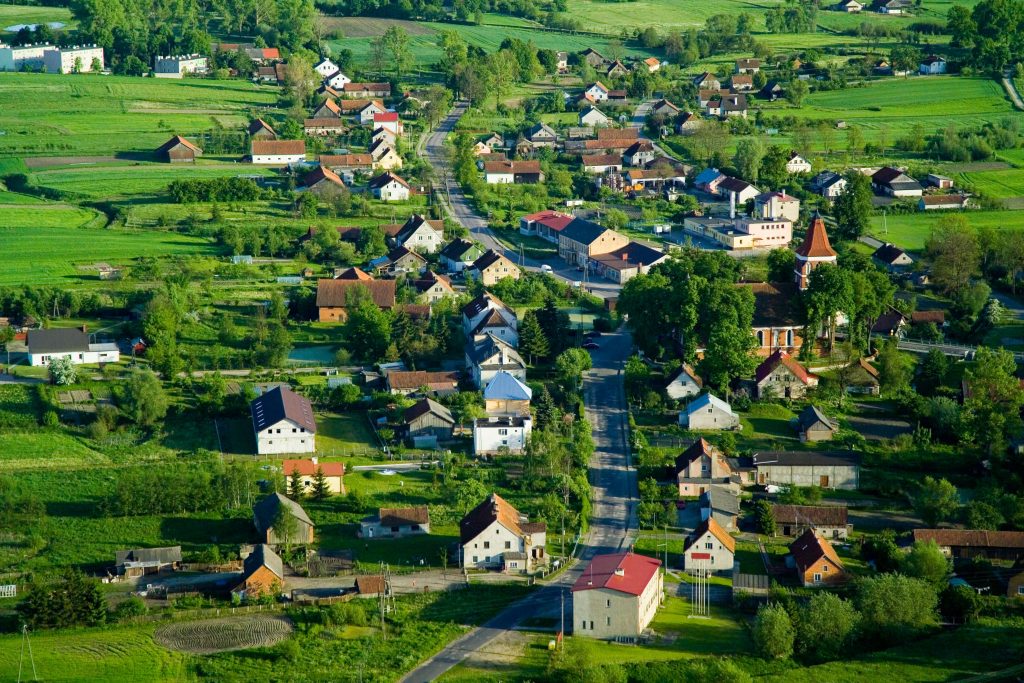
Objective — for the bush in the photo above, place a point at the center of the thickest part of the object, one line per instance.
(132, 607)
(773, 632)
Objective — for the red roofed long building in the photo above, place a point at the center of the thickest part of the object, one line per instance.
(813, 252)
(617, 596)
(546, 224)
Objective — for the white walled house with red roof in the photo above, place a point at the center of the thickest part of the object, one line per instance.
(283, 422)
(617, 596)
(494, 535)
(547, 224)
(389, 120)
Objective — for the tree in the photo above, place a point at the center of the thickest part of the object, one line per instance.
(936, 500)
(925, 561)
(367, 331)
(854, 140)
(749, 155)
(765, 517)
(826, 627)
(979, 514)
(570, 366)
(300, 79)
(532, 340)
(894, 367)
(371, 242)
(905, 58)
(955, 253)
(637, 378)
(992, 409)
(62, 371)
(829, 294)
(295, 488)
(773, 632)
(780, 265)
(796, 91)
(285, 527)
(894, 608)
(960, 603)
(881, 549)
(852, 209)
(143, 399)
(74, 600)
(616, 219)
(932, 372)
(708, 141)
(396, 42)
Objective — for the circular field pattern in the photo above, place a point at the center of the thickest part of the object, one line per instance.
(222, 635)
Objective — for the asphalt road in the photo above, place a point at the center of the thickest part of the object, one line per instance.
(614, 496)
(436, 154)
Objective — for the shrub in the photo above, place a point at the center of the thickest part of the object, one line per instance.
(773, 632)
(132, 607)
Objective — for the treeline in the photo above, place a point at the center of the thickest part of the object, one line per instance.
(215, 190)
(992, 31)
(791, 18)
(182, 488)
(42, 302)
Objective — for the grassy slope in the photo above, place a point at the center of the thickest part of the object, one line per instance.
(911, 231)
(102, 115)
(12, 15)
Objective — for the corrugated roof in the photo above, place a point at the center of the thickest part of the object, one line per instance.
(623, 572)
(281, 403)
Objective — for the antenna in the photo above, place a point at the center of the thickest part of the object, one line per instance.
(25, 641)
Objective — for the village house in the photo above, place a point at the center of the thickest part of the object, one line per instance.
(324, 127)
(262, 574)
(849, 6)
(495, 535)
(488, 355)
(142, 561)
(828, 184)
(706, 81)
(828, 470)
(581, 240)
(709, 547)
(814, 425)
(772, 91)
(700, 466)
(781, 376)
(708, 412)
(308, 470)
(593, 117)
(491, 268)
(652, 64)
(814, 251)
(542, 135)
(975, 543)
(178, 150)
(267, 512)
(501, 434)
(512, 172)
(626, 262)
(1015, 583)
(342, 163)
(421, 234)
(616, 70)
(386, 134)
(385, 157)
(506, 394)
(396, 523)
(829, 521)
(428, 421)
(639, 153)
(179, 66)
(261, 130)
(328, 109)
(47, 345)
(562, 62)
(706, 96)
(777, 323)
(776, 205)
(738, 191)
(815, 561)
(333, 296)
(325, 67)
(489, 314)
(683, 383)
(748, 65)
(409, 382)
(933, 202)
(892, 258)
(324, 183)
(862, 378)
(721, 503)
(741, 83)
(367, 90)
(931, 65)
(895, 183)
(593, 58)
(364, 109)
(664, 108)
(797, 164)
(708, 180)
(596, 92)
(278, 152)
(546, 224)
(283, 422)
(432, 287)
(388, 120)
(460, 254)
(890, 323)
(600, 164)
(337, 81)
(388, 187)
(617, 596)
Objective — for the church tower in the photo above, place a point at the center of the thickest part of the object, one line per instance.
(814, 251)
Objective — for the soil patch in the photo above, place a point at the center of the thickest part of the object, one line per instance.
(210, 636)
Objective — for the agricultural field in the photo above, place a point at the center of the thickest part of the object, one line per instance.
(223, 635)
(1001, 184)
(13, 16)
(911, 231)
(108, 115)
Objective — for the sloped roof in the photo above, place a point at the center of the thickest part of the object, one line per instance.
(888, 253)
(493, 508)
(780, 357)
(492, 319)
(178, 140)
(347, 160)
(402, 516)
(583, 231)
(281, 403)
(321, 173)
(816, 244)
(481, 304)
(168, 555)
(731, 184)
(504, 387)
(696, 449)
(354, 273)
(805, 458)
(687, 370)
(722, 498)
(618, 133)
(489, 258)
(457, 248)
(623, 572)
(414, 223)
(630, 256)
(705, 401)
(776, 304)
(814, 515)
(262, 556)
(308, 468)
(810, 548)
(386, 178)
(335, 293)
(279, 147)
(528, 167)
(600, 160)
(811, 415)
(425, 406)
(483, 349)
(370, 584)
(414, 379)
(398, 253)
(971, 538)
(258, 125)
(265, 512)
(716, 530)
(57, 340)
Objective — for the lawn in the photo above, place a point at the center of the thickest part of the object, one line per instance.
(127, 180)
(13, 15)
(43, 253)
(1002, 184)
(911, 231)
(104, 115)
(344, 434)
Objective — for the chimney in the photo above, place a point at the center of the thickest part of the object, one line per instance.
(619, 571)
(314, 459)
(732, 204)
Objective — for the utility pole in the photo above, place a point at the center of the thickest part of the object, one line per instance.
(25, 641)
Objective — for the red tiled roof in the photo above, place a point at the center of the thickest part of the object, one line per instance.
(322, 173)
(414, 379)
(385, 117)
(618, 133)
(354, 273)
(810, 548)
(351, 160)
(512, 167)
(307, 468)
(288, 147)
(493, 508)
(971, 538)
(399, 516)
(334, 293)
(623, 572)
(816, 242)
(773, 361)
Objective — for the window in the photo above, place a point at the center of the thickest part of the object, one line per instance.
(487, 559)
(609, 622)
(609, 603)
(1020, 590)
(487, 545)
(825, 568)
(508, 545)
(584, 626)
(709, 545)
(502, 432)
(591, 626)
(475, 559)
(817, 578)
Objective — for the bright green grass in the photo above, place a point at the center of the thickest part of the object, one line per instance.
(45, 449)
(102, 115)
(11, 15)
(18, 198)
(119, 181)
(118, 653)
(37, 214)
(1000, 184)
(343, 434)
(42, 254)
(911, 231)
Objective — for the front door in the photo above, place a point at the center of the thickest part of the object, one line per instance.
(823, 481)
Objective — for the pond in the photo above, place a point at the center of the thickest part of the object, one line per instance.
(32, 27)
(323, 355)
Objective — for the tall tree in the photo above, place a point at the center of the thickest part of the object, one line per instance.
(936, 501)
(396, 42)
(749, 155)
(829, 294)
(992, 408)
(955, 253)
(142, 398)
(532, 341)
(773, 632)
(852, 209)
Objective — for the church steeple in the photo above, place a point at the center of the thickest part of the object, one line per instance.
(814, 251)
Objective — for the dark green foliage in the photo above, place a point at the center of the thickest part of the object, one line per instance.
(74, 600)
(193, 190)
(894, 607)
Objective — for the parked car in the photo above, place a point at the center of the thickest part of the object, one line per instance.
(546, 269)
(590, 346)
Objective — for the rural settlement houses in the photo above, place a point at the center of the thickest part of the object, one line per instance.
(283, 422)
(617, 596)
(495, 535)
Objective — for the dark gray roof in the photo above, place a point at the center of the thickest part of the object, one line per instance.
(281, 403)
(806, 458)
(57, 340)
(265, 511)
(811, 415)
(480, 351)
(583, 231)
(167, 555)
(888, 253)
(457, 248)
(262, 556)
(427, 405)
(722, 499)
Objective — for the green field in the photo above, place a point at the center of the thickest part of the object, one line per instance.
(1003, 184)
(12, 15)
(48, 254)
(105, 115)
(911, 231)
(106, 181)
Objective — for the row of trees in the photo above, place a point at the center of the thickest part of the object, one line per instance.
(199, 486)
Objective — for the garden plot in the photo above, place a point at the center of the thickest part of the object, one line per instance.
(224, 635)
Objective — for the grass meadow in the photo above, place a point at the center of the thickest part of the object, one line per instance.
(131, 180)
(13, 15)
(105, 115)
(911, 231)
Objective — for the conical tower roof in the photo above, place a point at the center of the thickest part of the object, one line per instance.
(816, 244)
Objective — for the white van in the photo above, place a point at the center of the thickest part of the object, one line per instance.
(546, 269)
